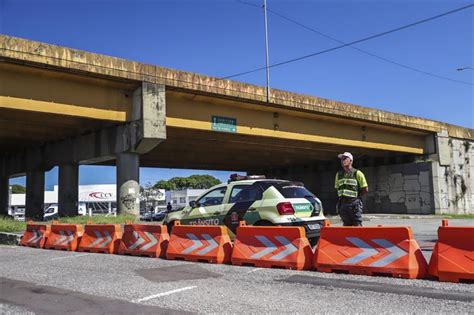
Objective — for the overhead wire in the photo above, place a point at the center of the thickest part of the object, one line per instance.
(343, 44)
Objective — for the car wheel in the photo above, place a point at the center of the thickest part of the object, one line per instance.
(170, 226)
(313, 241)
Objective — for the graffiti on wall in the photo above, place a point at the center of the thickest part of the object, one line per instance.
(413, 191)
(128, 201)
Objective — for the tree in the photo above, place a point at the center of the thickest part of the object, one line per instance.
(164, 184)
(203, 181)
(193, 181)
(18, 189)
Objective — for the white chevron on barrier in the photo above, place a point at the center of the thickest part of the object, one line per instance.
(66, 238)
(198, 244)
(140, 240)
(37, 235)
(107, 238)
(271, 247)
(369, 251)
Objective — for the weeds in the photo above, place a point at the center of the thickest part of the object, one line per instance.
(10, 225)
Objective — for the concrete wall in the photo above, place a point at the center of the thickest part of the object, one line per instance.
(440, 183)
(400, 188)
(453, 176)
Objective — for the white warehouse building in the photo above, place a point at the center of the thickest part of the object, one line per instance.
(93, 199)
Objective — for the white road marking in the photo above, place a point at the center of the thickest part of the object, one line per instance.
(163, 294)
(72, 256)
(253, 270)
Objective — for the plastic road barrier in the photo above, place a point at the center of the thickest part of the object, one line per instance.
(388, 251)
(200, 243)
(144, 240)
(272, 246)
(100, 238)
(64, 236)
(35, 235)
(453, 255)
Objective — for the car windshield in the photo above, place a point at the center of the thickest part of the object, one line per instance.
(212, 198)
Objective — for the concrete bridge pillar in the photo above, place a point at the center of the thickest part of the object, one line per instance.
(4, 196)
(34, 195)
(68, 190)
(128, 188)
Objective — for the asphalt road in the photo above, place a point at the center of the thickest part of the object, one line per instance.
(53, 282)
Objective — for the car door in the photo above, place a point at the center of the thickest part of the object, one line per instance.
(208, 208)
(244, 200)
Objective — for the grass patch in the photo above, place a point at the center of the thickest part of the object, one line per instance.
(10, 225)
(99, 219)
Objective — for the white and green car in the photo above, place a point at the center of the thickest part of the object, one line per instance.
(257, 201)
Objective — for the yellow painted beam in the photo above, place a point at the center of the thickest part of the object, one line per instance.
(61, 109)
(254, 131)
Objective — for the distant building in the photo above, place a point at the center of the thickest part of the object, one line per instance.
(152, 200)
(93, 199)
(181, 198)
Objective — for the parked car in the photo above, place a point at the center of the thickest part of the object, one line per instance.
(159, 215)
(19, 214)
(146, 216)
(257, 201)
(51, 213)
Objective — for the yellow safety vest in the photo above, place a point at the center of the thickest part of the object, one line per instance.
(347, 185)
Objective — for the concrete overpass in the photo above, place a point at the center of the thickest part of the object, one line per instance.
(64, 107)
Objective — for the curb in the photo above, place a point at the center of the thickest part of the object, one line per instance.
(9, 238)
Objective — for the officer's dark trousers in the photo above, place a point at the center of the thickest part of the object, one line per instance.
(350, 212)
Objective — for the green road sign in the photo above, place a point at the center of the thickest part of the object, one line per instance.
(224, 124)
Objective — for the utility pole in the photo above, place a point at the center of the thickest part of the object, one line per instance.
(266, 49)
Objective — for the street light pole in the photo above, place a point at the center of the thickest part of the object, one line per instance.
(463, 68)
(266, 49)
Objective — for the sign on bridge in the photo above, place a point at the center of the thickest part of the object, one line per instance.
(224, 124)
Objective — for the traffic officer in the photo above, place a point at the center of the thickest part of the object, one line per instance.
(350, 185)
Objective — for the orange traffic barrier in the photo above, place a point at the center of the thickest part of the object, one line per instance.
(272, 246)
(144, 240)
(100, 238)
(453, 255)
(64, 236)
(35, 235)
(200, 243)
(387, 251)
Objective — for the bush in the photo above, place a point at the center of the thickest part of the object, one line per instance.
(7, 224)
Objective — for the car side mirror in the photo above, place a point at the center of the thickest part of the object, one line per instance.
(193, 204)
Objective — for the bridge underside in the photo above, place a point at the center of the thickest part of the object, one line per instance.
(40, 106)
(224, 151)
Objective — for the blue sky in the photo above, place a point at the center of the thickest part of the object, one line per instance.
(221, 38)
